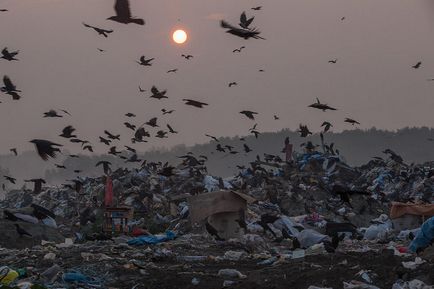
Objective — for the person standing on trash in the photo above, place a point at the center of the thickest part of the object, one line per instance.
(424, 238)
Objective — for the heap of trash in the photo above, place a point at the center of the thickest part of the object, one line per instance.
(311, 221)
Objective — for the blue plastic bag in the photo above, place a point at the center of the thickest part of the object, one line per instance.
(152, 239)
(424, 237)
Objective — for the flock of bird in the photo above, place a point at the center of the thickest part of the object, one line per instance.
(48, 149)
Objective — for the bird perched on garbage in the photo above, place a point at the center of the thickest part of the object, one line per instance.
(37, 185)
(241, 32)
(10, 88)
(326, 126)
(351, 121)
(21, 231)
(321, 106)
(145, 62)
(167, 171)
(157, 93)
(100, 31)
(105, 165)
(67, 132)
(417, 65)
(14, 151)
(304, 130)
(123, 13)
(249, 114)
(46, 148)
(394, 156)
(194, 103)
(9, 55)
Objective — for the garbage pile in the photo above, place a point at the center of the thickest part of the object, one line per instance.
(311, 222)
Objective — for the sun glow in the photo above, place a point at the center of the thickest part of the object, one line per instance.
(179, 36)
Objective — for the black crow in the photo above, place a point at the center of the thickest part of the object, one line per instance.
(67, 132)
(249, 114)
(123, 13)
(158, 94)
(321, 106)
(46, 148)
(194, 103)
(100, 31)
(8, 55)
(145, 62)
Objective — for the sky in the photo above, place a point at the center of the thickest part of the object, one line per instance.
(60, 67)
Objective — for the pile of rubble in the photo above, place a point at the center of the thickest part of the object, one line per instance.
(312, 222)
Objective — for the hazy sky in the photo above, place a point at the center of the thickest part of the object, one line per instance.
(60, 67)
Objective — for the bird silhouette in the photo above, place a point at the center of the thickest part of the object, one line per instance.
(232, 84)
(240, 32)
(194, 103)
(145, 62)
(161, 134)
(10, 179)
(104, 141)
(140, 134)
(130, 126)
(105, 165)
(37, 188)
(10, 88)
(100, 31)
(187, 56)
(133, 159)
(112, 151)
(417, 65)
(247, 149)
(255, 133)
(165, 111)
(60, 166)
(130, 149)
(129, 114)
(46, 148)
(304, 130)
(123, 13)
(112, 136)
(321, 106)
(88, 147)
(213, 137)
(249, 114)
(3, 10)
(52, 113)
(244, 22)
(171, 130)
(14, 150)
(67, 132)
(172, 70)
(158, 94)
(101, 50)
(334, 61)
(326, 126)
(152, 122)
(141, 89)
(219, 148)
(9, 55)
(257, 8)
(351, 121)
(238, 49)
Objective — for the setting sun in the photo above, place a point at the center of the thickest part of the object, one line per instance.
(179, 36)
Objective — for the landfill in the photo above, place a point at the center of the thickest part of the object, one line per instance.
(310, 222)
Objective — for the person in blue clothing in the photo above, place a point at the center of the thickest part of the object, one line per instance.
(424, 238)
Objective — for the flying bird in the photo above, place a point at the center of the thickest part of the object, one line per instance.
(101, 50)
(187, 56)
(194, 103)
(140, 134)
(247, 149)
(257, 8)
(112, 151)
(165, 111)
(141, 89)
(244, 22)
(417, 65)
(112, 136)
(4, 10)
(145, 62)
(14, 150)
(171, 130)
(232, 84)
(161, 134)
(172, 70)
(10, 88)
(351, 121)
(130, 126)
(52, 113)
(276, 117)
(249, 114)
(104, 141)
(89, 148)
(219, 148)
(321, 106)
(9, 55)
(129, 114)
(240, 32)
(130, 149)
(304, 130)
(238, 49)
(327, 125)
(152, 122)
(158, 94)
(100, 31)
(123, 13)
(67, 132)
(334, 61)
(10, 179)
(46, 148)
(37, 188)
(60, 166)
(213, 137)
